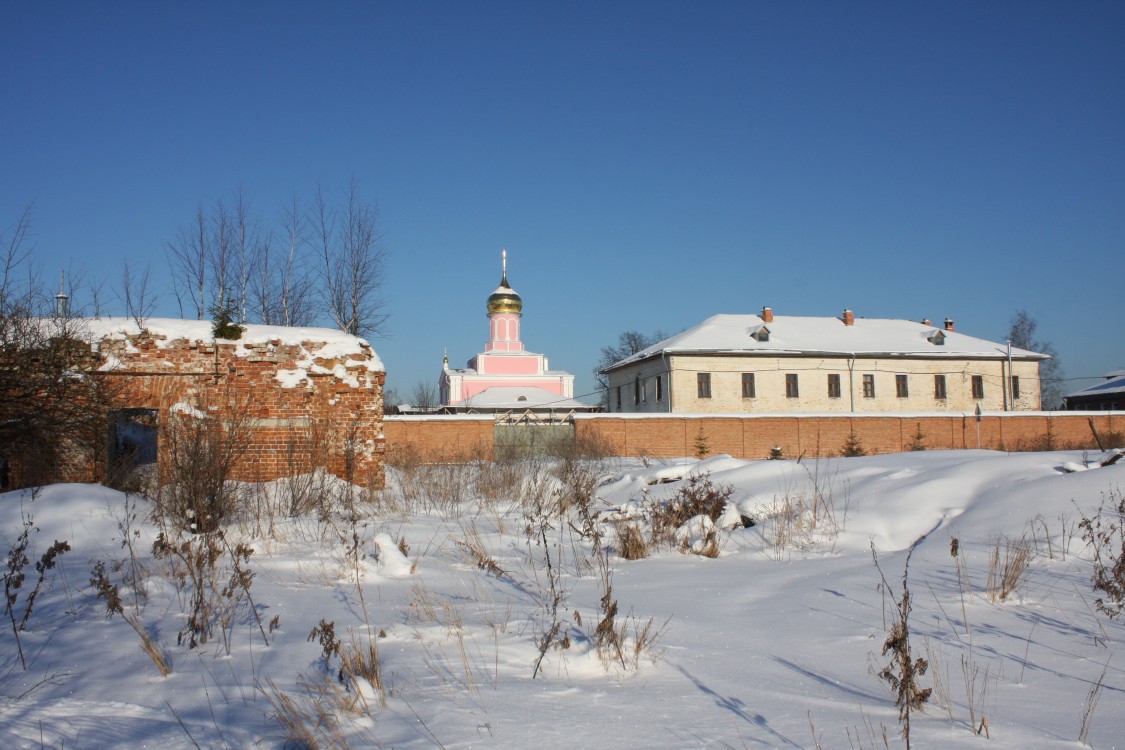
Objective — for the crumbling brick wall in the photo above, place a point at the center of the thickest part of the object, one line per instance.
(303, 398)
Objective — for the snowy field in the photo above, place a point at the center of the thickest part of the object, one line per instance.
(483, 601)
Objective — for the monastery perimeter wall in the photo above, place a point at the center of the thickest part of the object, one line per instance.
(752, 437)
(821, 435)
(449, 437)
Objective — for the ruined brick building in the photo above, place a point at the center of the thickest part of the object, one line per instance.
(290, 399)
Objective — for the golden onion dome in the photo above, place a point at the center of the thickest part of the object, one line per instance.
(505, 299)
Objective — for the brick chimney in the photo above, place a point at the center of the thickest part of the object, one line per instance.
(767, 314)
(849, 317)
(949, 324)
(926, 322)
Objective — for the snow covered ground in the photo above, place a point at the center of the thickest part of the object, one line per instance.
(776, 642)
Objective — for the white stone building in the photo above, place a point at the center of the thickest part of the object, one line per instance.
(778, 364)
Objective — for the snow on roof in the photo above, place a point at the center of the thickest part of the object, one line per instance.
(1114, 383)
(336, 344)
(731, 334)
(519, 397)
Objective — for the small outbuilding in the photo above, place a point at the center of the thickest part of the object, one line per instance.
(1108, 395)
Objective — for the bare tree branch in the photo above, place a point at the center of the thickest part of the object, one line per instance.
(136, 294)
(353, 262)
(187, 258)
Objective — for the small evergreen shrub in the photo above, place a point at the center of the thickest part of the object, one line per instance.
(853, 447)
(224, 326)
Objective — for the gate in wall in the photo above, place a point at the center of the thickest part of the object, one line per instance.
(527, 440)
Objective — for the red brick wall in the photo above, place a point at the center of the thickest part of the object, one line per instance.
(333, 417)
(439, 438)
(753, 437)
(453, 438)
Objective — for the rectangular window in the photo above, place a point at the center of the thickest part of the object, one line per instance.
(978, 386)
(833, 386)
(637, 390)
(791, 385)
(659, 388)
(869, 386)
(619, 398)
(1015, 387)
(939, 387)
(703, 385)
(748, 385)
(902, 390)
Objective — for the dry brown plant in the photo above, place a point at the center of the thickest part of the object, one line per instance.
(631, 541)
(904, 670)
(1007, 565)
(106, 589)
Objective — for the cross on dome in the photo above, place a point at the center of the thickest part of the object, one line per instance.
(504, 299)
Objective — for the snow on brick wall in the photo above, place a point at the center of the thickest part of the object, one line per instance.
(307, 397)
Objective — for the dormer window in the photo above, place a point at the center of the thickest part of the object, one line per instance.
(937, 338)
(760, 333)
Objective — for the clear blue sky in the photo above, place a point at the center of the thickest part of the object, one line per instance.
(646, 164)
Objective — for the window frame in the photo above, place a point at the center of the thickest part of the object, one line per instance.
(902, 386)
(749, 387)
(941, 393)
(978, 387)
(868, 385)
(792, 385)
(834, 385)
(702, 385)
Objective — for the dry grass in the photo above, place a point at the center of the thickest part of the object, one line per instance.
(311, 720)
(1090, 705)
(632, 544)
(1007, 565)
(359, 660)
(803, 518)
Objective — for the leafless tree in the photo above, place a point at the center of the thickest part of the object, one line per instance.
(424, 395)
(352, 262)
(16, 277)
(221, 258)
(53, 404)
(247, 240)
(136, 293)
(282, 287)
(97, 288)
(188, 256)
(628, 343)
(1051, 378)
(296, 283)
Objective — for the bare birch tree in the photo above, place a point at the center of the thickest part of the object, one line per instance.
(187, 257)
(282, 287)
(1051, 378)
(352, 262)
(136, 293)
(247, 242)
(16, 289)
(221, 259)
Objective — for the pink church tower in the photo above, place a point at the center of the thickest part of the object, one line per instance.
(505, 308)
(505, 376)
